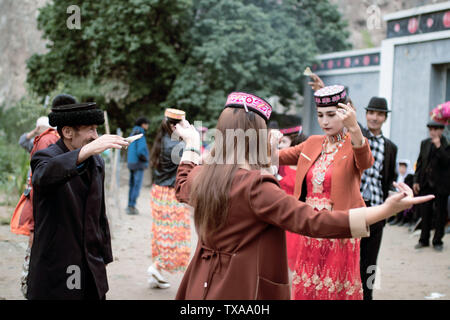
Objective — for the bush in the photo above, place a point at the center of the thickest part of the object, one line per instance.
(14, 160)
(14, 164)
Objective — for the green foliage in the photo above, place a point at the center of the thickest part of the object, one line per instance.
(368, 43)
(21, 117)
(14, 165)
(14, 160)
(139, 57)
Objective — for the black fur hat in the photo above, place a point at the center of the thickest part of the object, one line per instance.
(66, 111)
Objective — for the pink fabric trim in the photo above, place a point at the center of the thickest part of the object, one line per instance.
(252, 102)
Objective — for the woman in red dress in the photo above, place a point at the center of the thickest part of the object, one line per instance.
(240, 212)
(332, 164)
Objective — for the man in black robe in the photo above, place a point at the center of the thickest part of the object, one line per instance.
(432, 176)
(72, 243)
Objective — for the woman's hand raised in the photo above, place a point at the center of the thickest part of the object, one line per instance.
(188, 133)
(347, 114)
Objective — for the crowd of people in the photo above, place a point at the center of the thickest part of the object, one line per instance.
(317, 205)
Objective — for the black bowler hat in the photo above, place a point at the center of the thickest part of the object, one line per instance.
(378, 104)
(66, 111)
(434, 124)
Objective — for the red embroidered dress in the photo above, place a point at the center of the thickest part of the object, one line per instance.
(326, 269)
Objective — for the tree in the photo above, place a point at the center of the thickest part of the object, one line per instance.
(141, 56)
(125, 56)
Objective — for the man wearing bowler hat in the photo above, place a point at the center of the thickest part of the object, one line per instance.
(72, 243)
(375, 185)
(432, 176)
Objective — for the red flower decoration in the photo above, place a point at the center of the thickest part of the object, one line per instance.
(430, 22)
(446, 19)
(366, 60)
(397, 27)
(347, 62)
(413, 25)
(330, 64)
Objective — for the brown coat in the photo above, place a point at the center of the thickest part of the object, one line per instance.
(348, 166)
(247, 258)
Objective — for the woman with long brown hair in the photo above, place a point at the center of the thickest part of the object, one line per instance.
(170, 219)
(241, 212)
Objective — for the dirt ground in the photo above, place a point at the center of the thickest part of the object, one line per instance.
(404, 273)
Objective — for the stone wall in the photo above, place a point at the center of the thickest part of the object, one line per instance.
(365, 17)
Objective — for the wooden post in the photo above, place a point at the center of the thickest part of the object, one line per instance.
(106, 122)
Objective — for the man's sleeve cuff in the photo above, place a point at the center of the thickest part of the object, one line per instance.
(358, 225)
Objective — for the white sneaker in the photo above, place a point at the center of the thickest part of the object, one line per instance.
(156, 284)
(153, 272)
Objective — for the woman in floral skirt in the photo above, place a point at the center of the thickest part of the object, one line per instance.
(170, 219)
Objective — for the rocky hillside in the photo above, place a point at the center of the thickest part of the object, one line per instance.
(19, 39)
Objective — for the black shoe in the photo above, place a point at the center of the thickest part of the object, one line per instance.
(132, 211)
(420, 245)
(438, 247)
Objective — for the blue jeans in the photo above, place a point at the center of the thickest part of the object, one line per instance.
(135, 186)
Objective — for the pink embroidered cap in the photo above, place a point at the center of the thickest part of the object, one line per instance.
(330, 96)
(296, 129)
(249, 102)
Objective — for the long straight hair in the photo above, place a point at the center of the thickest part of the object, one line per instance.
(211, 187)
(155, 153)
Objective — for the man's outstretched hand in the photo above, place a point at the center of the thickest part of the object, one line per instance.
(106, 141)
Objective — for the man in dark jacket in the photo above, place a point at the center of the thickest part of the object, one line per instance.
(137, 163)
(375, 185)
(72, 244)
(432, 176)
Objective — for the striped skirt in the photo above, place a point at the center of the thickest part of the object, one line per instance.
(171, 232)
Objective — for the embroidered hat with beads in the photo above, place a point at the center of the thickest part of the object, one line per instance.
(250, 102)
(297, 129)
(330, 96)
